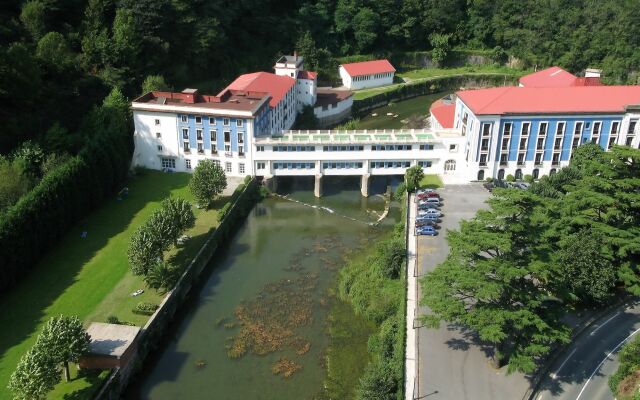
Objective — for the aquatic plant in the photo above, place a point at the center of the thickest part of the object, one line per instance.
(285, 367)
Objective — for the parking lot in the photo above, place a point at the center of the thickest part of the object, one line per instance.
(452, 365)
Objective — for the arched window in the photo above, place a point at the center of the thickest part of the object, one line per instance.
(481, 175)
(450, 165)
(535, 173)
(501, 174)
(552, 172)
(519, 174)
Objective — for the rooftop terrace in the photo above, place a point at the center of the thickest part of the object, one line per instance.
(355, 136)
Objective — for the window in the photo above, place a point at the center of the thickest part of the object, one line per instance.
(518, 174)
(538, 159)
(168, 163)
(615, 126)
(157, 122)
(540, 144)
(484, 146)
(556, 159)
(198, 119)
(577, 129)
(486, 129)
(186, 147)
(214, 136)
(536, 173)
(552, 172)
(183, 118)
(501, 174)
(227, 166)
(212, 120)
(505, 143)
(158, 135)
(483, 160)
(596, 128)
(227, 149)
(185, 133)
(214, 148)
(503, 159)
(557, 144)
(227, 136)
(200, 148)
(523, 143)
(507, 129)
(239, 122)
(426, 147)
(425, 164)
(560, 128)
(632, 126)
(449, 165)
(612, 141)
(542, 129)
(260, 165)
(241, 168)
(521, 159)
(526, 128)
(241, 150)
(225, 121)
(199, 134)
(159, 148)
(453, 147)
(187, 164)
(259, 148)
(240, 137)
(629, 140)
(481, 175)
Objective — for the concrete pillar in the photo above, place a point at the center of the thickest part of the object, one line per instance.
(317, 190)
(271, 183)
(364, 185)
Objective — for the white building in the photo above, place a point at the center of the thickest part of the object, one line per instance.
(367, 74)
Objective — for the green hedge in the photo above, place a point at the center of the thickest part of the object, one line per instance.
(63, 197)
(431, 86)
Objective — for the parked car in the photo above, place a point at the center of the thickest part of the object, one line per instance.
(422, 191)
(426, 230)
(432, 200)
(422, 216)
(427, 206)
(432, 211)
(426, 222)
(428, 195)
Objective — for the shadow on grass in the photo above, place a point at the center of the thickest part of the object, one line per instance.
(26, 306)
(94, 378)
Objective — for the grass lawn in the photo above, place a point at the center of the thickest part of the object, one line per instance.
(418, 75)
(90, 277)
(431, 181)
(418, 106)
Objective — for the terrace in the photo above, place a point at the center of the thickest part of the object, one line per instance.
(356, 136)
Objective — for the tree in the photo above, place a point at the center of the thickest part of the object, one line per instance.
(35, 375)
(145, 249)
(208, 180)
(306, 119)
(492, 282)
(440, 44)
(162, 277)
(365, 26)
(55, 51)
(154, 83)
(306, 47)
(33, 17)
(13, 183)
(30, 157)
(378, 383)
(178, 214)
(64, 340)
(413, 176)
(52, 162)
(585, 269)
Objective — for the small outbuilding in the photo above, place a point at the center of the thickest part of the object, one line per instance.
(111, 346)
(367, 74)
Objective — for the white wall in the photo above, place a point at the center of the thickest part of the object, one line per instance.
(353, 83)
(306, 92)
(340, 107)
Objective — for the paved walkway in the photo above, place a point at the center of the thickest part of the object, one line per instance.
(410, 386)
(452, 364)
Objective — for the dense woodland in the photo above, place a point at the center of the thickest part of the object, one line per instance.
(58, 58)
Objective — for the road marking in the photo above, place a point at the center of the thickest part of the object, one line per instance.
(605, 359)
(555, 374)
(603, 324)
(539, 397)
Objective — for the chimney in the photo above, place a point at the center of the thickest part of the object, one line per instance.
(295, 55)
(190, 95)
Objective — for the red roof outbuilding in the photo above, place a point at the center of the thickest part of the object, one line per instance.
(444, 113)
(368, 67)
(572, 99)
(550, 77)
(276, 85)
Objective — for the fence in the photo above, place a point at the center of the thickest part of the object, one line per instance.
(153, 332)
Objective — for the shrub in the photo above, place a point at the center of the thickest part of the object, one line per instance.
(528, 178)
(511, 178)
(143, 308)
(400, 191)
(112, 319)
(378, 383)
(224, 211)
(162, 277)
(489, 179)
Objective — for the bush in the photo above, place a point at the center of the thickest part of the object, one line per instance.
(511, 178)
(224, 211)
(143, 308)
(400, 191)
(489, 179)
(528, 178)
(378, 383)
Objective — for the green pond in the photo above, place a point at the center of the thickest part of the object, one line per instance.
(258, 327)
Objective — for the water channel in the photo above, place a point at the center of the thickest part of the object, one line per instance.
(262, 313)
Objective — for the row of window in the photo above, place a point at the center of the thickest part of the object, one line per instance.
(170, 163)
(391, 147)
(387, 147)
(291, 148)
(213, 135)
(342, 148)
(373, 76)
(525, 128)
(390, 164)
(290, 165)
(342, 165)
(212, 120)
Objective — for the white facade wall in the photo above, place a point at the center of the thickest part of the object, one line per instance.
(365, 81)
(283, 115)
(306, 93)
(150, 149)
(333, 109)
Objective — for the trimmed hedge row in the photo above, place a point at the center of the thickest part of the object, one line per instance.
(431, 86)
(63, 197)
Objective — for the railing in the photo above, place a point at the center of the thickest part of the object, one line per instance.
(356, 136)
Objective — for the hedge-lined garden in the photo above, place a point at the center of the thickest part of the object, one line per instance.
(67, 194)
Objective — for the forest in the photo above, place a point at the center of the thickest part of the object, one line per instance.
(59, 58)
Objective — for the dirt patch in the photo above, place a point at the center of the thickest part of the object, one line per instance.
(629, 386)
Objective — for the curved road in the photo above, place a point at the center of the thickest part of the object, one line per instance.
(582, 371)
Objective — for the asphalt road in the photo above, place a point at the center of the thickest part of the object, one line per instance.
(583, 370)
(452, 364)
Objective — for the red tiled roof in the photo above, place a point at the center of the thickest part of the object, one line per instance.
(444, 113)
(307, 75)
(226, 100)
(572, 99)
(368, 67)
(277, 86)
(591, 81)
(550, 77)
